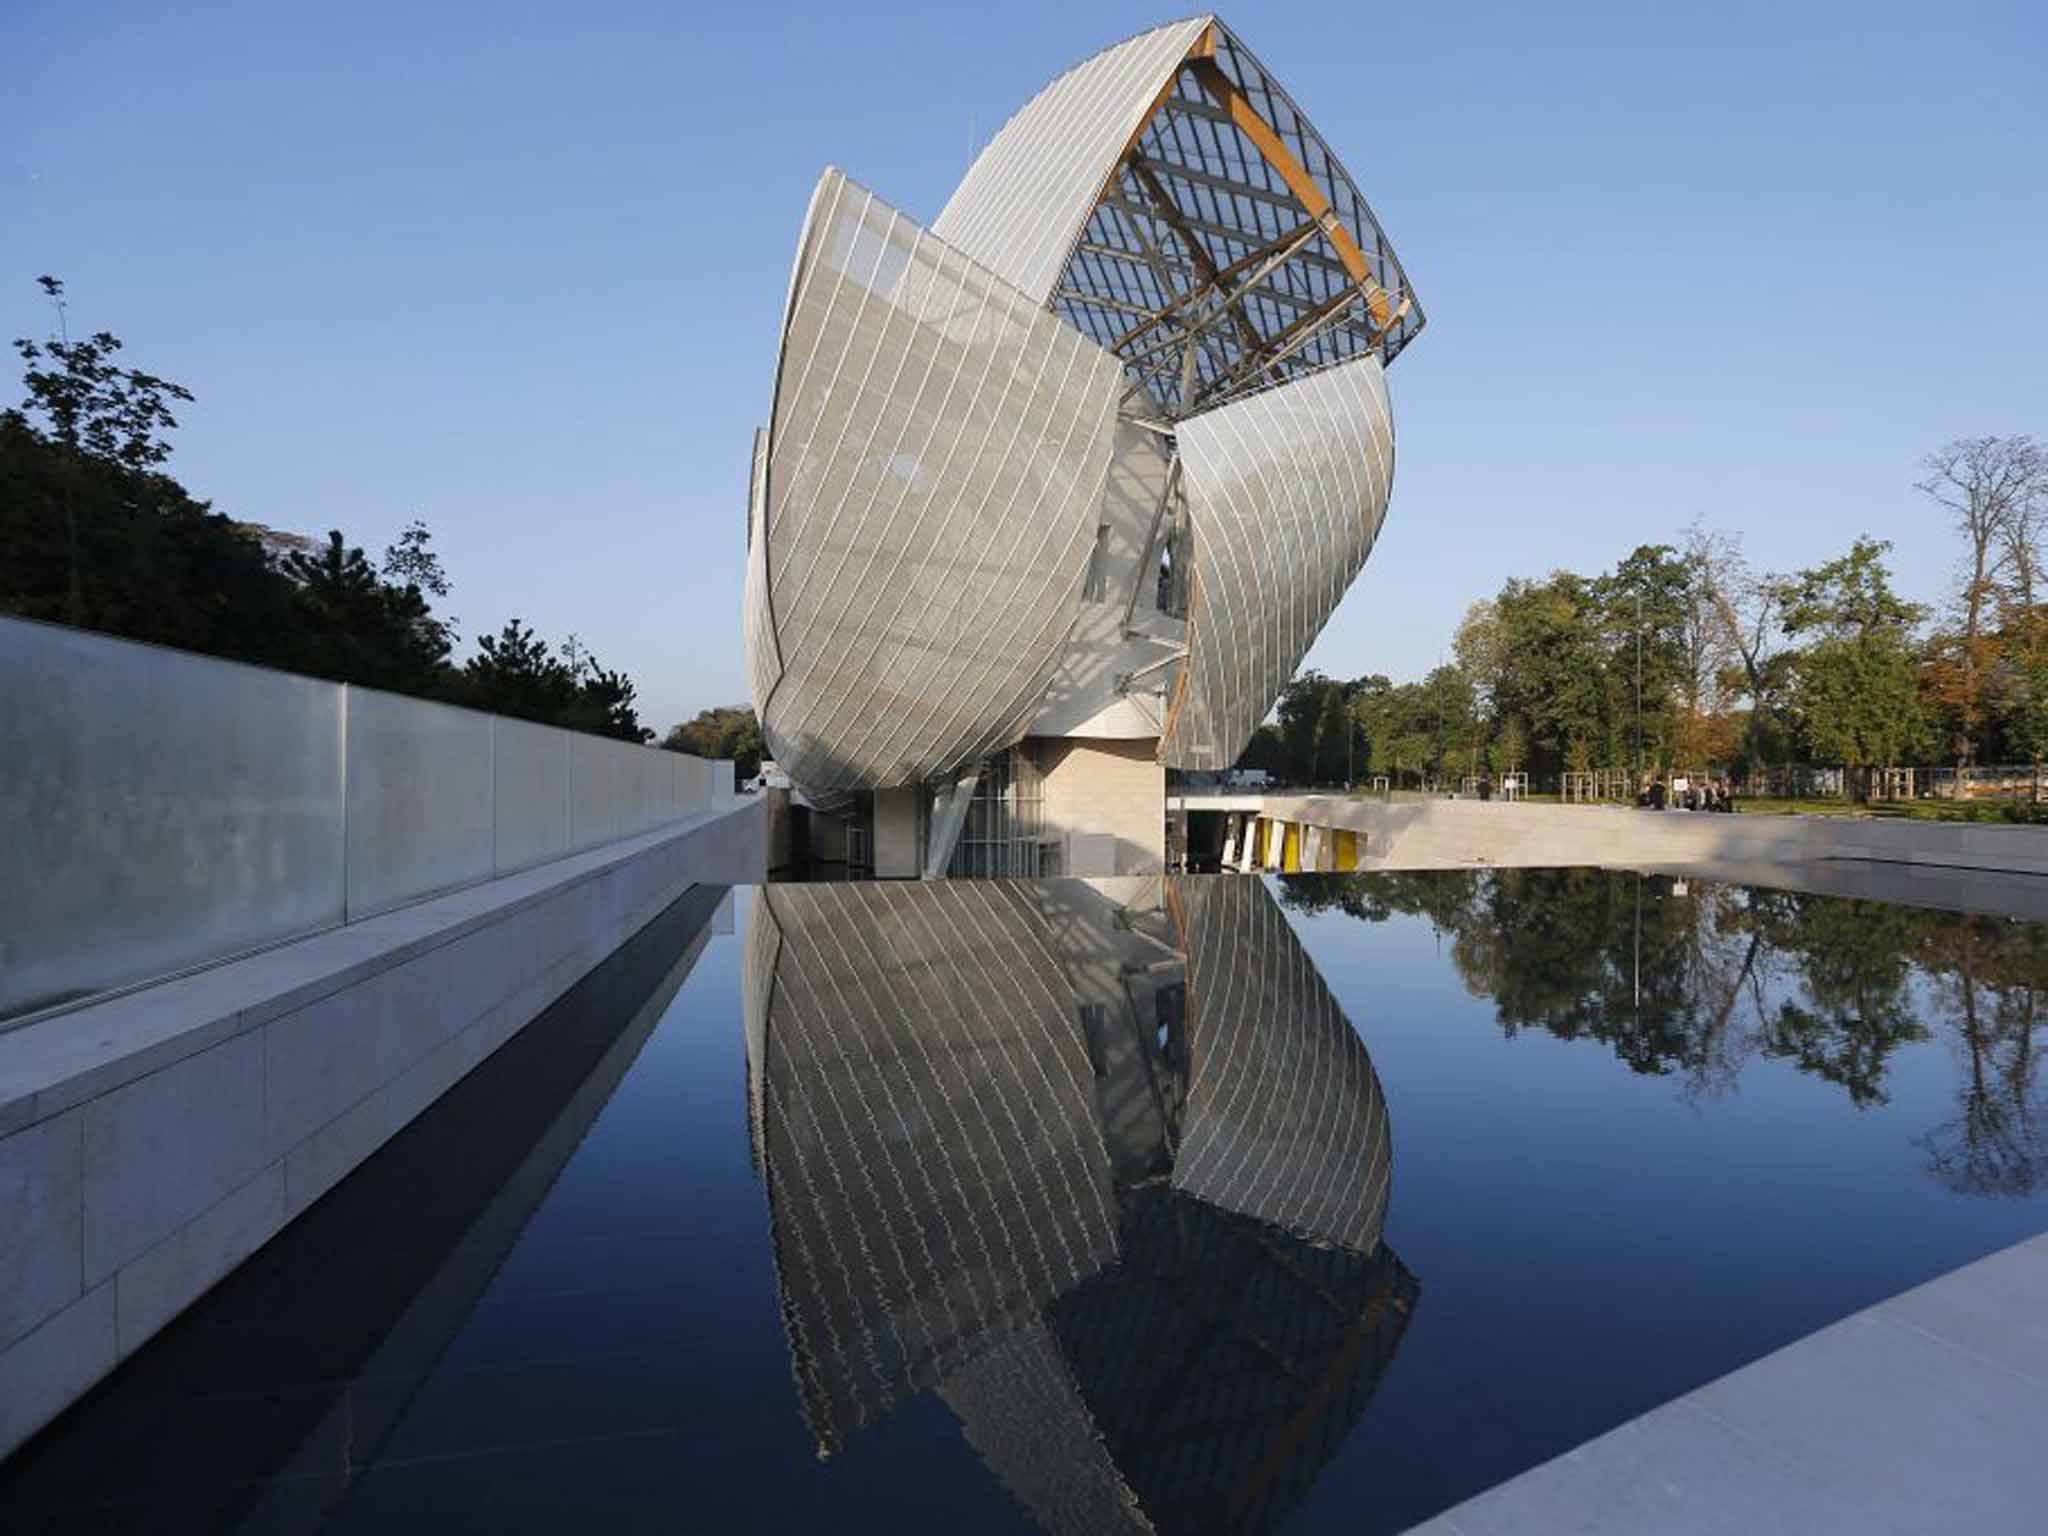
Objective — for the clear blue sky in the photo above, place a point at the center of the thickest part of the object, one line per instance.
(518, 269)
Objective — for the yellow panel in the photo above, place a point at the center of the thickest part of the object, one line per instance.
(1347, 849)
(1290, 850)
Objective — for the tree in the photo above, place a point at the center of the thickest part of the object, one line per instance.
(1334, 760)
(1449, 714)
(1856, 694)
(410, 563)
(515, 673)
(1643, 605)
(1265, 751)
(96, 534)
(726, 731)
(356, 627)
(1510, 746)
(1993, 488)
(1709, 647)
(97, 416)
(1481, 648)
(92, 406)
(1748, 605)
(1305, 710)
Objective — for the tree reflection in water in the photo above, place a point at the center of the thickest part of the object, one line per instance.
(1694, 979)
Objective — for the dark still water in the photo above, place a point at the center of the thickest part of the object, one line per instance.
(1198, 1205)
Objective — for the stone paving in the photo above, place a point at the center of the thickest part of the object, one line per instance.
(1925, 1413)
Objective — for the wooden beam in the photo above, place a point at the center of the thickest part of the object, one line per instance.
(1205, 264)
(1269, 144)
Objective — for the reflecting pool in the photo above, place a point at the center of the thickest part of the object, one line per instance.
(1199, 1204)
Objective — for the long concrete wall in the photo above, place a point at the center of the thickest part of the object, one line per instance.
(160, 810)
(151, 1141)
(1451, 834)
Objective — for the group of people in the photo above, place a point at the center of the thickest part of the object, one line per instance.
(1686, 795)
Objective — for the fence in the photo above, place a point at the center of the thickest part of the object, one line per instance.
(160, 810)
(1619, 784)
(1984, 781)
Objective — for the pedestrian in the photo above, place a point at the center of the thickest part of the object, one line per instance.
(1658, 794)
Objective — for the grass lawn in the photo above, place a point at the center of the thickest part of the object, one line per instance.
(1982, 812)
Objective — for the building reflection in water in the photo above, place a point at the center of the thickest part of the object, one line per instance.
(1101, 1163)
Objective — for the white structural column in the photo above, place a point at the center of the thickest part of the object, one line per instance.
(933, 483)
(1025, 198)
(1286, 492)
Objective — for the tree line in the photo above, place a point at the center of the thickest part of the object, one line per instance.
(97, 534)
(1683, 656)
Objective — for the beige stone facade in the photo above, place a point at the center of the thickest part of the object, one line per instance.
(1105, 804)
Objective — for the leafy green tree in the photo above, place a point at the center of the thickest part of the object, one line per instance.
(1509, 748)
(1449, 714)
(1334, 761)
(726, 731)
(411, 562)
(1855, 686)
(91, 406)
(95, 533)
(358, 628)
(1301, 711)
(1266, 750)
(516, 673)
(96, 536)
(1553, 660)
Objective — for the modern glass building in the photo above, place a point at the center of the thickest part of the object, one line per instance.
(1056, 494)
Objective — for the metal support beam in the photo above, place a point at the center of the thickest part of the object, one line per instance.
(949, 818)
(1336, 269)
(1276, 252)
(1198, 253)
(1145, 562)
(1124, 680)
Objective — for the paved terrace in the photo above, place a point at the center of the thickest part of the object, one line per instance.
(1928, 1412)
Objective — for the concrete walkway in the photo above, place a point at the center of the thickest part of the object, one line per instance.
(1928, 1412)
